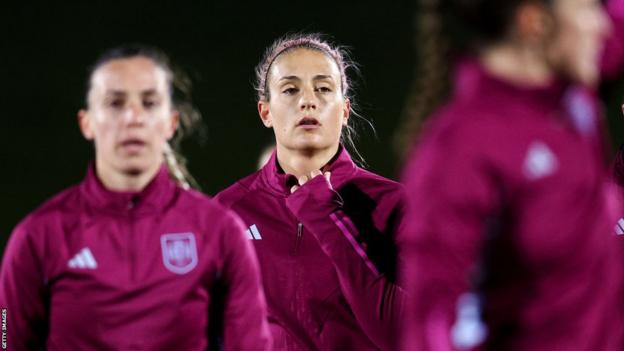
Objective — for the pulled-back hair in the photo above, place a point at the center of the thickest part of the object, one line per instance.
(339, 54)
(446, 29)
(180, 87)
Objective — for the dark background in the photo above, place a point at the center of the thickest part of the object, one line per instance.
(46, 50)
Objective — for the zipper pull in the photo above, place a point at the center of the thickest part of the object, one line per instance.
(295, 250)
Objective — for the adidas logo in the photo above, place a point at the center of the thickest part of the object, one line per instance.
(253, 233)
(83, 259)
(540, 161)
(619, 227)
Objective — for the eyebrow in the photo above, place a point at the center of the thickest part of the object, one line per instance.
(316, 77)
(118, 93)
(115, 92)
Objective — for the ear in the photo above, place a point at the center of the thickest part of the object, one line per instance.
(346, 110)
(84, 122)
(265, 113)
(533, 21)
(174, 123)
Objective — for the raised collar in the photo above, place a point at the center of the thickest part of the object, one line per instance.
(153, 199)
(341, 166)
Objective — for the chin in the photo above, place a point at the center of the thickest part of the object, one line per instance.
(135, 167)
(310, 144)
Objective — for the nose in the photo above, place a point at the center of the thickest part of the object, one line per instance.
(308, 99)
(134, 114)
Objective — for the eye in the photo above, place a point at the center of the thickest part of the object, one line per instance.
(116, 103)
(290, 91)
(150, 103)
(324, 89)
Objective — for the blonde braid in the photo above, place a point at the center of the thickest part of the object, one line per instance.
(176, 164)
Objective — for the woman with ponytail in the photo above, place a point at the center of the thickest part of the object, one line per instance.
(132, 258)
(508, 241)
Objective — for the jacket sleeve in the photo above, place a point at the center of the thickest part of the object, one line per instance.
(452, 192)
(376, 301)
(23, 293)
(612, 60)
(245, 314)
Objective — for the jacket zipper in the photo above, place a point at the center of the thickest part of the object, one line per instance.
(298, 238)
(132, 240)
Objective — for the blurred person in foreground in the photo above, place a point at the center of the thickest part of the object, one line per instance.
(509, 242)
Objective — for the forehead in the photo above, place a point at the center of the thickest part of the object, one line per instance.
(127, 74)
(303, 63)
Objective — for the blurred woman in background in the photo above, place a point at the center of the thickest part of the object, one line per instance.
(130, 257)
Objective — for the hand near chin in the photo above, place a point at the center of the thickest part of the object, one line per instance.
(305, 178)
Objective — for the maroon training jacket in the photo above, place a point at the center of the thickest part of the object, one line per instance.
(328, 258)
(509, 242)
(93, 269)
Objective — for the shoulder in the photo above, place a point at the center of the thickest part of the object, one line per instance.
(195, 202)
(210, 211)
(235, 192)
(465, 134)
(54, 213)
(459, 121)
(57, 208)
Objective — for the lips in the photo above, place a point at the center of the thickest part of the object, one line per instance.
(308, 122)
(132, 145)
(132, 142)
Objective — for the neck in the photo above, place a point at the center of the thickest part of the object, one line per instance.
(125, 181)
(302, 162)
(517, 64)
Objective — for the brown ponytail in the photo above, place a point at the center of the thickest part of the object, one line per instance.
(430, 82)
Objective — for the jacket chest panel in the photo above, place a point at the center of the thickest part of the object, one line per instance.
(112, 256)
(298, 277)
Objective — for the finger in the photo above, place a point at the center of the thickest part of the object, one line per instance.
(302, 180)
(315, 173)
(294, 188)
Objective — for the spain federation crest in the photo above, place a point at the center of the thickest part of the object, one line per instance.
(179, 252)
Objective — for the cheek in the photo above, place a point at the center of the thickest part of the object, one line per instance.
(103, 132)
(281, 116)
(160, 126)
(337, 113)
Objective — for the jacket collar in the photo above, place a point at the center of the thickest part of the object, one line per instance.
(341, 166)
(154, 198)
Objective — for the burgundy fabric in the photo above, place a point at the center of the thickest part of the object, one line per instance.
(327, 254)
(508, 210)
(141, 290)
